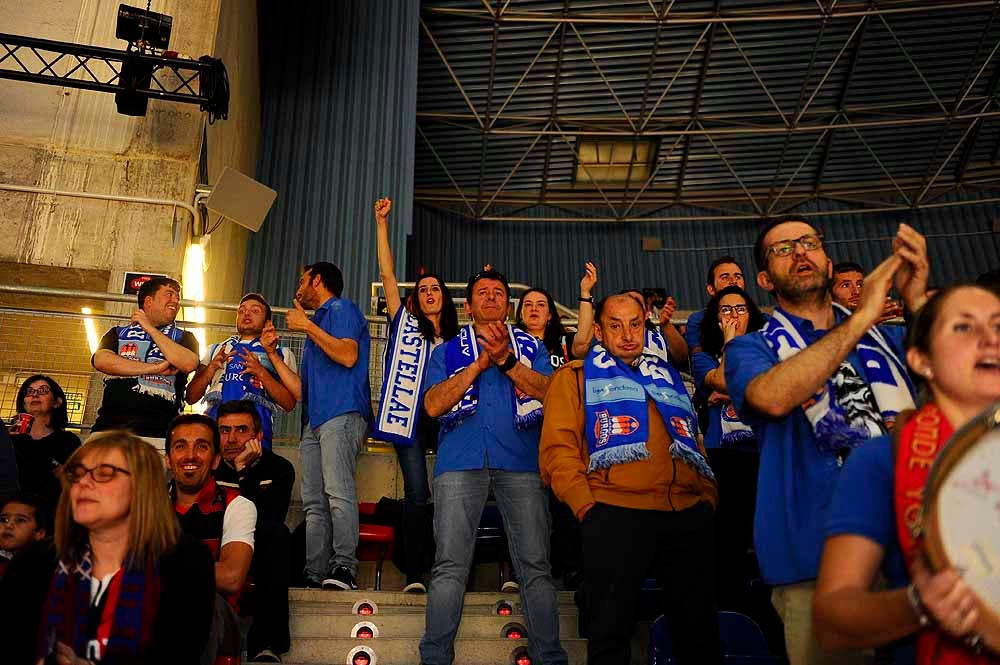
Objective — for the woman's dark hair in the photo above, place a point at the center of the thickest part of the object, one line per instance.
(59, 418)
(918, 336)
(712, 339)
(554, 330)
(449, 315)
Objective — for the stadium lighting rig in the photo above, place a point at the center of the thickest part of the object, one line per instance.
(144, 70)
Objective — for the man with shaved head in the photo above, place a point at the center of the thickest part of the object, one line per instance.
(620, 446)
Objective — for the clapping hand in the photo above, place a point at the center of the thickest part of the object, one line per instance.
(876, 287)
(667, 311)
(496, 342)
(911, 278)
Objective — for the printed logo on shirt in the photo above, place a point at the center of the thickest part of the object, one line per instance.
(129, 351)
(608, 426)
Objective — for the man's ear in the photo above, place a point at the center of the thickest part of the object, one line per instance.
(710, 290)
(598, 333)
(216, 460)
(466, 309)
(41, 534)
(764, 281)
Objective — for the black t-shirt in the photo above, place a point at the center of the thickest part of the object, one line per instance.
(560, 354)
(124, 407)
(38, 458)
(267, 482)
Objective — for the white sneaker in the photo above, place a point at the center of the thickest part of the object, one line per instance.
(415, 587)
(510, 586)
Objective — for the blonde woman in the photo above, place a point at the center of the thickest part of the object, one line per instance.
(127, 583)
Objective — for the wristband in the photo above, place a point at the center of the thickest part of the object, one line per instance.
(917, 605)
(589, 299)
(507, 364)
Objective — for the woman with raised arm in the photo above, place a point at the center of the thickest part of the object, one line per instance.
(427, 319)
(954, 345)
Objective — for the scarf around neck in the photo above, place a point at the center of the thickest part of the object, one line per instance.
(407, 355)
(617, 419)
(463, 350)
(235, 385)
(134, 343)
(841, 418)
(131, 603)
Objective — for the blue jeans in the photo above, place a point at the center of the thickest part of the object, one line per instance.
(328, 455)
(459, 497)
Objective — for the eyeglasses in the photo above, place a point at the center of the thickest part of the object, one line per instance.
(41, 391)
(102, 473)
(729, 310)
(809, 242)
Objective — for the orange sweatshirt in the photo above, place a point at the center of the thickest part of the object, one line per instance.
(657, 483)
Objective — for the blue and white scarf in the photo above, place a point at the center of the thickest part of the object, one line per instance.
(463, 350)
(656, 346)
(235, 385)
(407, 355)
(880, 369)
(134, 343)
(617, 423)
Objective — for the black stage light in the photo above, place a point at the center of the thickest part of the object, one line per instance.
(143, 27)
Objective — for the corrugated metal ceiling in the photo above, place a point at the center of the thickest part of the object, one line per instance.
(757, 107)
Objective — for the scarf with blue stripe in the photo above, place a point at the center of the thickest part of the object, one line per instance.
(617, 423)
(463, 350)
(134, 343)
(831, 418)
(238, 386)
(407, 353)
(67, 610)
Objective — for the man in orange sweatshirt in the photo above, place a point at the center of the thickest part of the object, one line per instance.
(619, 446)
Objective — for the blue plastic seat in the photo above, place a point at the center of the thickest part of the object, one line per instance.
(743, 641)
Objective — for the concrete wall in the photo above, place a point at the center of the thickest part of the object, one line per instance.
(75, 140)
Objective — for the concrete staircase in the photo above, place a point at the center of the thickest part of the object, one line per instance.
(324, 625)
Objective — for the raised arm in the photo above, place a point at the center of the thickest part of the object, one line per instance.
(386, 265)
(792, 382)
(585, 317)
(288, 376)
(181, 357)
(677, 347)
(277, 391)
(339, 350)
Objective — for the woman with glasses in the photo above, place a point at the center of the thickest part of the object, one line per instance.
(129, 587)
(730, 444)
(46, 444)
(730, 313)
(416, 327)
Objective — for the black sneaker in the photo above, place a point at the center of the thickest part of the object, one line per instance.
(340, 578)
(310, 583)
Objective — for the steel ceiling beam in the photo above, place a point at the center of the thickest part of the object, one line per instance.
(554, 106)
(706, 59)
(491, 82)
(754, 15)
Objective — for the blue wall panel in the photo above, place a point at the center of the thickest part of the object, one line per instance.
(339, 84)
(550, 254)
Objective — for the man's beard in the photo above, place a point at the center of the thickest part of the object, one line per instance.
(248, 332)
(802, 290)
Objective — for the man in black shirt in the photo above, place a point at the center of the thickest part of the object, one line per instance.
(147, 363)
(266, 479)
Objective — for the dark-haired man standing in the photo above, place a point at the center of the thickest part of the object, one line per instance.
(336, 412)
(814, 383)
(147, 363)
(724, 271)
(486, 385)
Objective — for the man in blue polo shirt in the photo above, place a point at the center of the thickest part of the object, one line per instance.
(336, 412)
(486, 386)
(723, 272)
(813, 384)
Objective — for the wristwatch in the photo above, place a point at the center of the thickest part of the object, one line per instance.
(508, 364)
(589, 299)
